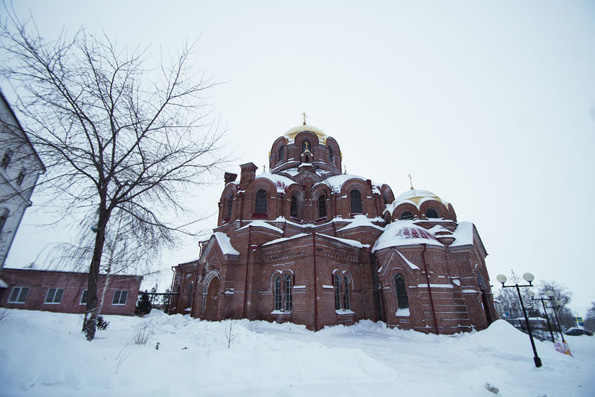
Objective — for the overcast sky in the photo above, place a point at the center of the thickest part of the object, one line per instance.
(490, 105)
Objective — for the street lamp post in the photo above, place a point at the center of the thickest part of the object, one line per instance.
(555, 305)
(549, 326)
(529, 278)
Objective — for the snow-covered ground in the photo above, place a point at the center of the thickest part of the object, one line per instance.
(45, 354)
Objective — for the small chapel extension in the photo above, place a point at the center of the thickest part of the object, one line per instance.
(309, 244)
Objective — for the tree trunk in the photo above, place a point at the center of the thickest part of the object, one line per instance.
(90, 322)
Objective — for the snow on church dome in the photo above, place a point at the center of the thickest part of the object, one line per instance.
(291, 134)
(404, 233)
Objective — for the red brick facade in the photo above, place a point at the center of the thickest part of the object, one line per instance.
(308, 244)
(55, 291)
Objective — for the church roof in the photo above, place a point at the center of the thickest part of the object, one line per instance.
(418, 196)
(404, 233)
(291, 134)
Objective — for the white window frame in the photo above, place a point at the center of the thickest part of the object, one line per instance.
(55, 294)
(19, 295)
(119, 300)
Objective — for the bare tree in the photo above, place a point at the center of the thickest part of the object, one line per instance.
(116, 136)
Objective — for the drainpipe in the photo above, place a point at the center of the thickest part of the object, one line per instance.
(315, 283)
(243, 197)
(247, 261)
(423, 257)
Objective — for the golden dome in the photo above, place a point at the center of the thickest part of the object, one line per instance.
(291, 134)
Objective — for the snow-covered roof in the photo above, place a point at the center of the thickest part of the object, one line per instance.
(407, 261)
(264, 224)
(404, 233)
(225, 244)
(353, 243)
(337, 181)
(362, 221)
(282, 239)
(291, 133)
(463, 234)
(280, 181)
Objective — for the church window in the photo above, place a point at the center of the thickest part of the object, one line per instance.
(293, 211)
(306, 146)
(401, 291)
(322, 206)
(6, 159)
(356, 202)
(406, 215)
(229, 207)
(261, 202)
(288, 292)
(431, 213)
(346, 294)
(3, 218)
(277, 293)
(330, 154)
(189, 298)
(281, 154)
(21, 176)
(337, 292)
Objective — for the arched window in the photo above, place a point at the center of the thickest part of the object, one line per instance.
(322, 206)
(288, 292)
(337, 292)
(431, 213)
(261, 202)
(346, 294)
(293, 210)
(306, 146)
(229, 207)
(3, 217)
(281, 154)
(401, 291)
(406, 215)
(356, 202)
(330, 155)
(277, 293)
(190, 295)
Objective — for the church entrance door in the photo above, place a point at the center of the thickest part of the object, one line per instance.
(211, 305)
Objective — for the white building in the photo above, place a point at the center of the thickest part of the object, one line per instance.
(20, 167)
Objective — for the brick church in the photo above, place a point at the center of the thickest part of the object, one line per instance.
(309, 244)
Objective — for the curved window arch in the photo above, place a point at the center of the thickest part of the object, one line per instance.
(431, 213)
(406, 215)
(293, 210)
(356, 201)
(288, 292)
(278, 296)
(401, 292)
(322, 206)
(261, 202)
(281, 154)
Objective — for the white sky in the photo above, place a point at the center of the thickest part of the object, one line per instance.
(490, 105)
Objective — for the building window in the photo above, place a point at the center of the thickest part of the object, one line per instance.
(18, 295)
(306, 146)
(288, 294)
(6, 159)
(3, 218)
(337, 292)
(406, 215)
(356, 202)
(330, 155)
(189, 297)
(401, 291)
(322, 206)
(229, 207)
(261, 202)
(281, 154)
(21, 177)
(293, 210)
(83, 300)
(277, 293)
(431, 213)
(54, 295)
(120, 297)
(346, 294)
